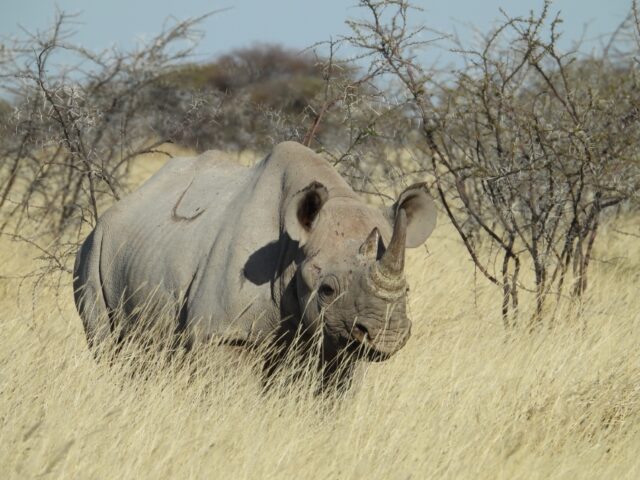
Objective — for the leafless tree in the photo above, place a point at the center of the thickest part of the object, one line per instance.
(528, 145)
(78, 120)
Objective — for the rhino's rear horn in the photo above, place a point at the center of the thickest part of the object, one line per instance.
(369, 248)
(392, 262)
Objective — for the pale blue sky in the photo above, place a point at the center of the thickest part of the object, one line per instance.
(294, 23)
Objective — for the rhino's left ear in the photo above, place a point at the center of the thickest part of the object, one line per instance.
(421, 213)
(302, 210)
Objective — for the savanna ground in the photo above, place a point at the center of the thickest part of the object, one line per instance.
(463, 399)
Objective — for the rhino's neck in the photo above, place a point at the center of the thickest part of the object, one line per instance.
(284, 285)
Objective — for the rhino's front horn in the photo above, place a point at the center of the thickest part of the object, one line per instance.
(387, 274)
(392, 262)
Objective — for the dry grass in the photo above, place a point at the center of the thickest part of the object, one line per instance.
(462, 400)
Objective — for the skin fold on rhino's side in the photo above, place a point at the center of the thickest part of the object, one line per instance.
(248, 254)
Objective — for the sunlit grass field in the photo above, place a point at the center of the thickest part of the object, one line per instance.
(463, 399)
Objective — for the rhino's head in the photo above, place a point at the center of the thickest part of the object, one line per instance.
(350, 281)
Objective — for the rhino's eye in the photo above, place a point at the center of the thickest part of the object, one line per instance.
(326, 290)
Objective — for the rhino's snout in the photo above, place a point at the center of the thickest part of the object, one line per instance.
(385, 341)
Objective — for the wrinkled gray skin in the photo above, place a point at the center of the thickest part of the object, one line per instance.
(248, 254)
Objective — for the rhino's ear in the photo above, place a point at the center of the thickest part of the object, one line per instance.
(421, 213)
(302, 210)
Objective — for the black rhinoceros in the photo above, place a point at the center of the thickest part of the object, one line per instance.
(249, 254)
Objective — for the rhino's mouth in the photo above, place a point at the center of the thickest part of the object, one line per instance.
(358, 351)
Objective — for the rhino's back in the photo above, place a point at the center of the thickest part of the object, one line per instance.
(155, 238)
(184, 188)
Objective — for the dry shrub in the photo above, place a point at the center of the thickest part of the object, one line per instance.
(76, 121)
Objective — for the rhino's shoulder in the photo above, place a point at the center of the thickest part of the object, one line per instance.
(299, 166)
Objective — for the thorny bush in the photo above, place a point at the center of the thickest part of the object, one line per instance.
(528, 145)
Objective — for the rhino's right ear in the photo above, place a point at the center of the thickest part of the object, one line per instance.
(302, 210)
(421, 213)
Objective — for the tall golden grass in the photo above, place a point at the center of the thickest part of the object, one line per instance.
(463, 399)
